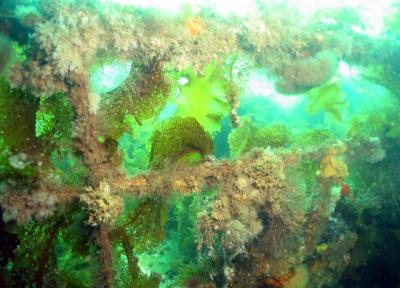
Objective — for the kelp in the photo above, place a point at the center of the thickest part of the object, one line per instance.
(175, 259)
(135, 146)
(54, 120)
(140, 228)
(263, 217)
(17, 118)
(203, 97)
(143, 94)
(35, 256)
(178, 138)
(17, 132)
(251, 135)
(68, 166)
(314, 138)
(328, 98)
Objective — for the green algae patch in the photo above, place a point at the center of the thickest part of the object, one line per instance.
(204, 98)
(315, 138)
(250, 135)
(144, 94)
(17, 118)
(135, 146)
(54, 119)
(68, 167)
(328, 98)
(177, 139)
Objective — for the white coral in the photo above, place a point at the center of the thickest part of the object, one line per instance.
(71, 43)
(22, 207)
(102, 206)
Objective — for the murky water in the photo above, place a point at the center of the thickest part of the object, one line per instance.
(199, 143)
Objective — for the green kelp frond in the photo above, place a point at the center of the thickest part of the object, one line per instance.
(74, 251)
(144, 93)
(73, 269)
(386, 74)
(179, 138)
(274, 136)
(5, 53)
(328, 98)
(17, 118)
(138, 230)
(383, 122)
(204, 97)
(33, 261)
(176, 259)
(54, 119)
(239, 138)
(69, 167)
(129, 274)
(136, 146)
(11, 52)
(250, 135)
(4, 154)
(15, 166)
(17, 132)
(315, 138)
(141, 223)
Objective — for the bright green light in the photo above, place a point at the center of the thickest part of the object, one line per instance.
(109, 76)
(222, 7)
(372, 12)
(261, 86)
(172, 6)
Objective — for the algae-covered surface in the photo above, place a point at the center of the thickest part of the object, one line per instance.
(199, 143)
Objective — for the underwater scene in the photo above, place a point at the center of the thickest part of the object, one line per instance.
(200, 143)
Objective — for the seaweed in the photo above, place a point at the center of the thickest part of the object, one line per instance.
(144, 93)
(17, 125)
(285, 209)
(176, 139)
(204, 97)
(18, 143)
(54, 119)
(251, 135)
(328, 98)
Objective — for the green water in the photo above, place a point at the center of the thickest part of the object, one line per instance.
(199, 144)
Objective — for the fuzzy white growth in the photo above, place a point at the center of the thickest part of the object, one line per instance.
(103, 207)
